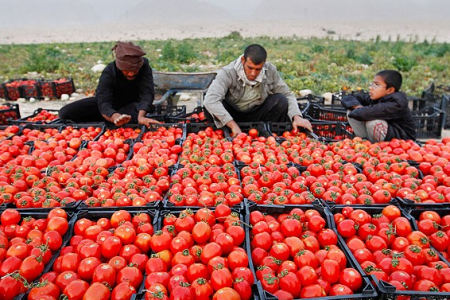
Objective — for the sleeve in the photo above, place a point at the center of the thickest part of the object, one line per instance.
(146, 88)
(215, 95)
(280, 87)
(351, 100)
(104, 92)
(384, 111)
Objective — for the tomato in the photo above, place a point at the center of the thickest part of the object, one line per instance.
(312, 291)
(351, 278)
(86, 268)
(182, 292)
(226, 294)
(10, 287)
(76, 289)
(132, 275)
(202, 289)
(31, 268)
(330, 271)
(289, 281)
(123, 290)
(104, 273)
(65, 278)
(10, 217)
(97, 291)
(44, 289)
(221, 278)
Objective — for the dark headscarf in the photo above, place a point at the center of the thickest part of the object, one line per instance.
(128, 56)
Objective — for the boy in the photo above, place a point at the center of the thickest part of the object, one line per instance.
(383, 114)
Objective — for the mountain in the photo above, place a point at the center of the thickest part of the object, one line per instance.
(47, 13)
(355, 10)
(176, 11)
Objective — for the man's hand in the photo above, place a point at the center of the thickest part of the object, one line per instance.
(235, 129)
(120, 119)
(146, 121)
(300, 122)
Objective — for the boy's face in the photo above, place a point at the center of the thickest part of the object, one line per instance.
(378, 89)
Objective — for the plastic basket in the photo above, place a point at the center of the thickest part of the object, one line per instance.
(9, 112)
(167, 111)
(55, 88)
(429, 122)
(32, 90)
(196, 116)
(367, 290)
(446, 109)
(37, 117)
(12, 90)
(333, 112)
(2, 91)
(64, 86)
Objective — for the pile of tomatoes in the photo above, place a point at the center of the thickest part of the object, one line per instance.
(43, 116)
(386, 246)
(7, 112)
(296, 256)
(199, 255)
(26, 246)
(105, 259)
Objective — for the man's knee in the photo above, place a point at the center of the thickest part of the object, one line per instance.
(64, 113)
(377, 130)
(279, 101)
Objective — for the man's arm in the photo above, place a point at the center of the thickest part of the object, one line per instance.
(214, 97)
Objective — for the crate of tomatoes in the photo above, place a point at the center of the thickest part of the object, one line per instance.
(55, 88)
(30, 243)
(389, 248)
(200, 254)
(9, 111)
(297, 254)
(104, 259)
(39, 116)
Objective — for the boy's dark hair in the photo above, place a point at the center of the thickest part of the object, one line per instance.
(256, 53)
(392, 78)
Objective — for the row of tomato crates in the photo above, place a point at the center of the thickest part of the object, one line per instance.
(163, 113)
(365, 287)
(30, 88)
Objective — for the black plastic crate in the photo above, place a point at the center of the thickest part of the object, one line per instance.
(329, 131)
(9, 111)
(101, 126)
(31, 90)
(155, 127)
(2, 91)
(38, 117)
(55, 88)
(196, 116)
(12, 90)
(329, 112)
(162, 112)
(429, 122)
(446, 109)
(151, 205)
(197, 127)
(64, 86)
(278, 128)
(246, 126)
(367, 290)
(70, 207)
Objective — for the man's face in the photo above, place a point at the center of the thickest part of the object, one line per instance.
(251, 70)
(130, 75)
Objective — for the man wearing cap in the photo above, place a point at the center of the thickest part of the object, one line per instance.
(124, 93)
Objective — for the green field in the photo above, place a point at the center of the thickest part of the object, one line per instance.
(322, 65)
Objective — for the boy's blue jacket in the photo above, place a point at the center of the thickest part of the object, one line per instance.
(392, 108)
